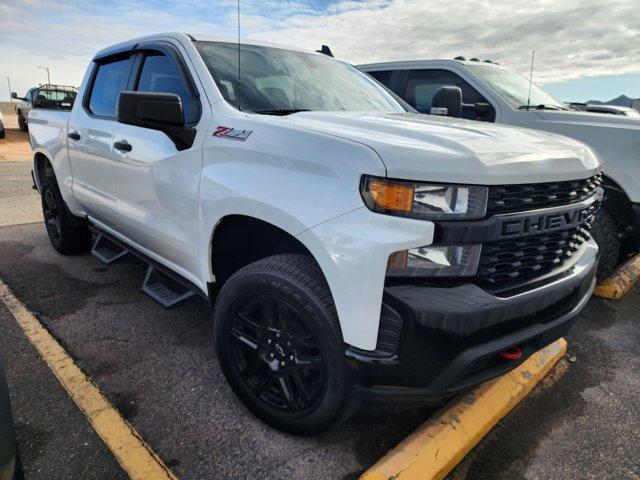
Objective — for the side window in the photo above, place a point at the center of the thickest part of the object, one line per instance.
(159, 74)
(384, 77)
(110, 80)
(423, 84)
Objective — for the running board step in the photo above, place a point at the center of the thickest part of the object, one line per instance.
(164, 289)
(106, 251)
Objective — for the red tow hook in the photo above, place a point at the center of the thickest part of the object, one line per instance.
(513, 353)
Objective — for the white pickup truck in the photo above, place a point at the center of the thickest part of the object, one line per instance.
(492, 93)
(350, 247)
(52, 97)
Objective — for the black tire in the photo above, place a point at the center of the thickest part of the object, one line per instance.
(22, 125)
(67, 234)
(606, 233)
(280, 310)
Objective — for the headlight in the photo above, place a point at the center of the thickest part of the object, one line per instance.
(424, 200)
(435, 261)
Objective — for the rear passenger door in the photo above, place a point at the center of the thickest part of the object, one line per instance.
(94, 162)
(421, 86)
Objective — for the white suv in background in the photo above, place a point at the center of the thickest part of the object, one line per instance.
(492, 93)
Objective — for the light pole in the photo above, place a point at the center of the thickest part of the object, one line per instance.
(10, 97)
(48, 76)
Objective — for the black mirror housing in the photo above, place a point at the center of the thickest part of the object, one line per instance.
(156, 111)
(14, 95)
(449, 98)
(39, 103)
(482, 109)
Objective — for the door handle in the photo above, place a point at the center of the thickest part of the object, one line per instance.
(122, 145)
(74, 135)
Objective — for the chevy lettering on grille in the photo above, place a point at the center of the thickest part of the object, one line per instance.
(508, 226)
(545, 223)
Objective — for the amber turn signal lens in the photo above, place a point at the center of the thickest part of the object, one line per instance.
(398, 261)
(392, 196)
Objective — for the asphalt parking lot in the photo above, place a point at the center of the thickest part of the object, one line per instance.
(158, 368)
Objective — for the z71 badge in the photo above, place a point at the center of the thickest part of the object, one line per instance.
(232, 133)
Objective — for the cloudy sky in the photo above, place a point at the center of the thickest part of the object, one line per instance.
(584, 48)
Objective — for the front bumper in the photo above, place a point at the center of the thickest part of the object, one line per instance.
(437, 341)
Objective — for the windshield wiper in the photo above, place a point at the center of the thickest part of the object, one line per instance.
(281, 111)
(542, 106)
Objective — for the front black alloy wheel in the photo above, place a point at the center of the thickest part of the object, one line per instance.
(276, 353)
(280, 347)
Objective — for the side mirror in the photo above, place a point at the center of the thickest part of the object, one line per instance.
(447, 101)
(39, 103)
(156, 111)
(14, 95)
(482, 109)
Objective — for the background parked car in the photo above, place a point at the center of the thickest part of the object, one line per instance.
(1, 127)
(10, 468)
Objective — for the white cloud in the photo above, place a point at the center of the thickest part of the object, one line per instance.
(572, 38)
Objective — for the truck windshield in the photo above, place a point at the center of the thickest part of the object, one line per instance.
(278, 82)
(514, 88)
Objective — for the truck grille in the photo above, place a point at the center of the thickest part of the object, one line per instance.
(514, 198)
(526, 258)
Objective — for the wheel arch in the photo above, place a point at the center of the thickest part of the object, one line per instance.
(40, 160)
(238, 240)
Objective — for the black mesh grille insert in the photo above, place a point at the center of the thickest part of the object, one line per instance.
(526, 258)
(514, 198)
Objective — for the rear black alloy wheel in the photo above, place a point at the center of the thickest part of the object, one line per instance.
(276, 353)
(51, 213)
(68, 234)
(280, 347)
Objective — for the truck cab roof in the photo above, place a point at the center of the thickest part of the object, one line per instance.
(188, 37)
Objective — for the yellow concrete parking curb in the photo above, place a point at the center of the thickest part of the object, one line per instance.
(618, 285)
(134, 455)
(433, 450)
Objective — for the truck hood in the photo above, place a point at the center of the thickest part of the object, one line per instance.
(441, 149)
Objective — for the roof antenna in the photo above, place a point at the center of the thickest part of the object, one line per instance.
(239, 71)
(325, 50)
(530, 79)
